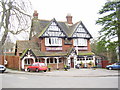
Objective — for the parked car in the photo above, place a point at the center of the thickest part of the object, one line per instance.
(2, 68)
(113, 66)
(38, 66)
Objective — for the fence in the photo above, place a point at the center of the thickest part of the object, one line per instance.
(105, 63)
(13, 62)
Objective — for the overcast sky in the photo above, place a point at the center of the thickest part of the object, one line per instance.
(84, 10)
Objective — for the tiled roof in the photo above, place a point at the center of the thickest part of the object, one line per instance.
(23, 46)
(41, 25)
(49, 54)
(26, 44)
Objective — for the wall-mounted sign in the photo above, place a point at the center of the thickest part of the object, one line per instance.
(81, 48)
(53, 48)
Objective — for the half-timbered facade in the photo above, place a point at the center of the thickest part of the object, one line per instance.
(56, 44)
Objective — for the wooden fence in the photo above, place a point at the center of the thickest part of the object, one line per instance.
(13, 62)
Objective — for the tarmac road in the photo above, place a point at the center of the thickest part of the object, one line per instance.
(35, 81)
(74, 78)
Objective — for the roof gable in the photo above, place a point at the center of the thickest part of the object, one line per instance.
(28, 53)
(53, 29)
(80, 31)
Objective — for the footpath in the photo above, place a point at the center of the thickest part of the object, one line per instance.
(70, 73)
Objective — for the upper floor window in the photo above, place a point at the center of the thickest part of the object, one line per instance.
(80, 42)
(53, 41)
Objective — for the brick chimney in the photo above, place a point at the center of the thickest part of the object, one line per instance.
(69, 19)
(35, 14)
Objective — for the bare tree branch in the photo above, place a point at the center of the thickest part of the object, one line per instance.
(15, 17)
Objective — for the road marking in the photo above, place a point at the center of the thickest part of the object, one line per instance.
(22, 77)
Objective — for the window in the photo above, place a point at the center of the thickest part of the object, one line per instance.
(54, 60)
(27, 62)
(80, 42)
(48, 60)
(60, 60)
(35, 64)
(53, 41)
(51, 60)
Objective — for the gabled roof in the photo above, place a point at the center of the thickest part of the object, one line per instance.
(26, 52)
(48, 24)
(68, 30)
(75, 26)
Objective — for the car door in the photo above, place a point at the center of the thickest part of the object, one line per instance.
(118, 65)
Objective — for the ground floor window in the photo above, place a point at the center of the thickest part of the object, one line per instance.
(54, 60)
(27, 61)
(60, 60)
(82, 59)
(51, 60)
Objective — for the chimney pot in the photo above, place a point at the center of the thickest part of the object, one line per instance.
(69, 18)
(35, 14)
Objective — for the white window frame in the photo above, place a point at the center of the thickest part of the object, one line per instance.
(27, 62)
(80, 42)
(53, 41)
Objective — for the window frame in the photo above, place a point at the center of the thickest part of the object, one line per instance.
(53, 41)
(80, 42)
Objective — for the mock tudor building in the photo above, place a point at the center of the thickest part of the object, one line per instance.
(56, 43)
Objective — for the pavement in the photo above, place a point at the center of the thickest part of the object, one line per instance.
(70, 73)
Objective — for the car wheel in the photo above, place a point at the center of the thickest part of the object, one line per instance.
(44, 70)
(110, 68)
(28, 70)
(2, 71)
(37, 70)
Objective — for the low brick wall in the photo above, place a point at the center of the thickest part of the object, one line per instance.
(12, 61)
(1, 59)
(54, 66)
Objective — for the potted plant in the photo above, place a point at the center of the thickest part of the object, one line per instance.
(65, 67)
(49, 68)
(81, 64)
(90, 64)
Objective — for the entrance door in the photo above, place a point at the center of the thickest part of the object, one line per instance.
(72, 62)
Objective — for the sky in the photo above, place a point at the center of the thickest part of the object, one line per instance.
(81, 10)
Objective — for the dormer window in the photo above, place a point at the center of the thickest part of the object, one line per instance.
(53, 41)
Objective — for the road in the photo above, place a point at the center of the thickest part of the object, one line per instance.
(37, 81)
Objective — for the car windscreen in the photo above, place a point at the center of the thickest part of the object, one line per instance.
(35, 64)
(42, 64)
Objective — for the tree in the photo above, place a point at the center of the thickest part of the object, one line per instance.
(99, 48)
(110, 22)
(105, 51)
(14, 18)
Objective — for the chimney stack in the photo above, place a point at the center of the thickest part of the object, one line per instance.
(69, 18)
(35, 14)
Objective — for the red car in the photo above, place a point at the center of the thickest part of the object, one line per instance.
(38, 66)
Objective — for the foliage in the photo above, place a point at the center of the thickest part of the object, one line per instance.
(106, 50)
(110, 21)
(81, 63)
(49, 66)
(90, 63)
